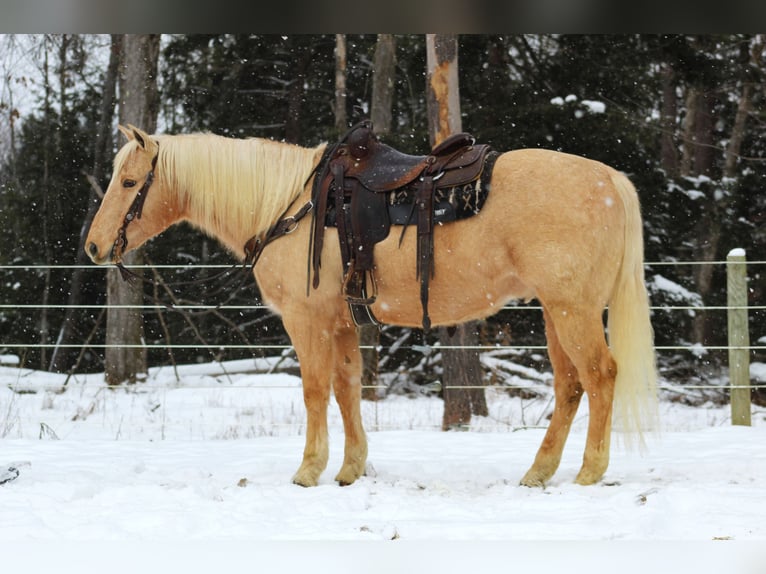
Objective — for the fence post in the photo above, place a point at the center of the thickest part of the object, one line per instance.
(739, 337)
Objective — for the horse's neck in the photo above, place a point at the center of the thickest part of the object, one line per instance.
(234, 200)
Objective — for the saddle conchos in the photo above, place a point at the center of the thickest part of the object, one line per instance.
(364, 186)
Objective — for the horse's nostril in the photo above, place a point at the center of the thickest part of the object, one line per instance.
(92, 249)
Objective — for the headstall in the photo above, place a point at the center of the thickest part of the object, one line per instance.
(135, 209)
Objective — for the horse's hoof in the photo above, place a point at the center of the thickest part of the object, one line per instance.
(533, 480)
(347, 477)
(592, 472)
(305, 479)
(587, 478)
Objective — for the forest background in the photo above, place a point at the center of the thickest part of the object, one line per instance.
(682, 115)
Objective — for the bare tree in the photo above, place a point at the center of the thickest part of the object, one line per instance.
(138, 104)
(341, 117)
(9, 49)
(461, 362)
(63, 357)
(383, 70)
(669, 110)
(383, 77)
(300, 63)
(700, 159)
(749, 60)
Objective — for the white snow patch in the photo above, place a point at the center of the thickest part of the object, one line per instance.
(737, 252)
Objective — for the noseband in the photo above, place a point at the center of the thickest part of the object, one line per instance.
(135, 209)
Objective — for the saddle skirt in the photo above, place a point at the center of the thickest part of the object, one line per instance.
(364, 186)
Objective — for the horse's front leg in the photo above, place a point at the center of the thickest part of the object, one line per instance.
(312, 346)
(347, 384)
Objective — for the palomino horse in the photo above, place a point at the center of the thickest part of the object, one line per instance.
(560, 228)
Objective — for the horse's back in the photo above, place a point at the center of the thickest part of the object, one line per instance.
(551, 186)
(552, 228)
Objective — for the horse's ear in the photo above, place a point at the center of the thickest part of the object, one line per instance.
(139, 135)
(143, 138)
(126, 132)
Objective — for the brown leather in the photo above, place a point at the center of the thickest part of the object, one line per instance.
(452, 143)
(424, 201)
(381, 168)
(384, 168)
(361, 170)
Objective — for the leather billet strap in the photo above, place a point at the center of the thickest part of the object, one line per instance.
(284, 226)
(425, 247)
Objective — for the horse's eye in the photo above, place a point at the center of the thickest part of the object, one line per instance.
(129, 183)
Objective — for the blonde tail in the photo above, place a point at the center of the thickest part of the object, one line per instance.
(631, 337)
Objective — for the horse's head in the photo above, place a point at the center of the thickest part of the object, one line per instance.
(135, 207)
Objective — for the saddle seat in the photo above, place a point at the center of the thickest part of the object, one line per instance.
(353, 190)
(380, 167)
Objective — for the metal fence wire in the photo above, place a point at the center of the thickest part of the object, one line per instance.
(737, 341)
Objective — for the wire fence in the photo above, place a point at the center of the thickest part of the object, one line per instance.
(7, 346)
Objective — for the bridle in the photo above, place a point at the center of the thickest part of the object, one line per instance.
(253, 247)
(134, 212)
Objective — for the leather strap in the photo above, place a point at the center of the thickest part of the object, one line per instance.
(136, 209)
(284, 226)
(425, 251)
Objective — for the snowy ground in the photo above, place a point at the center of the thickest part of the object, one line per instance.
(204, 464)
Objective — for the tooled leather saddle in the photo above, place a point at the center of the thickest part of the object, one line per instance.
(363, 186)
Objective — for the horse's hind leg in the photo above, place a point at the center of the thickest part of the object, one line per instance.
(581, 334)
(347, 384)
(567, 392)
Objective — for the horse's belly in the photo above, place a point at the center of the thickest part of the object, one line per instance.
(468, 283)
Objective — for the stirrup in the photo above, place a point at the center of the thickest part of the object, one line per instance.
(355, 287)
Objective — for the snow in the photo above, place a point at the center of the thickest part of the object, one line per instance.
(595, 107)
(592, 106)
(737, 252)
(9, 359)
(758, 372)
(673, 291)
(198, 468)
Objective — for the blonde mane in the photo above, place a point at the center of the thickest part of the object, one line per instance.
(233, 186)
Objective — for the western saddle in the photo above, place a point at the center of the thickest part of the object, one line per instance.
(363, 186)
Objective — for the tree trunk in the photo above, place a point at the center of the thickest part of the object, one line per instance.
(383, 77)
(751, 59)
(704, 152)
(442, 89)
(296, 92)
(709, 225)
(460, 365)
(689, 130)
(380, 114)
(669, 111)
(138, 104)
(341, 117)
(63, 357)
(47, 144)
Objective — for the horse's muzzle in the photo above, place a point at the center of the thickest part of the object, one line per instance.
(93, 252)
